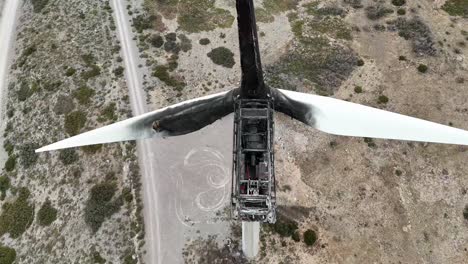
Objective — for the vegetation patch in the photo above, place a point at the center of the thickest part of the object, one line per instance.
(314, 61)
(310, 237)
(101, 204)
(97, 258)
(118, 72)
(156, 41)
(202, 15)
(68, 156)
(47, 214)
(10, 164)
(64, 105)
(108, 113)
(17, 216)
(185, 43)
(38, 5)
(382, 99)
(283, 227)
(204, 41)
(278, 6)
(7, 255)
(358, 89)
(377, 12)
(83, 94)
(456, 7)
(222, 56)
(4, 185)
(162, 73)
(28, 156)
(313, 9)
(418, 33)
(70, 72)
(263, 16)
(24, 92)
(74, 122)
(398, 2)
(422, 68)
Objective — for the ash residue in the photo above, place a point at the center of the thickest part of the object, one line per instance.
(420, 35)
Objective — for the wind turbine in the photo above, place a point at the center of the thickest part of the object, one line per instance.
(254, 103)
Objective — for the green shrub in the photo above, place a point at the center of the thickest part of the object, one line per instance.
(358, 89)
(16, 217)
(465, 213)
(370, 142)
(127, 194)
(383, 99)
(24, 92)
(398, 2)
(162, 73)
(68, 156)
(91, 73)
(83, 94)
(456, 7)
(360, 62)
(185, 43)
(108, 113)
(401, 11)
(284, 227)
(296, 236)
(8, 147)
(278, 6)
(202, 15)
(222, 56)
(142, 22)
(47, 214)
(97, 258)
(128, 259)
(28, 156)
(4, 185)
(10, 164)
(100, 204)
(402, 58)
(157, 41)
(38, 5)
(74, 122)
(422, 68)
(377, 12)
(70, 71)
(310, 237)
(7, 255)
(92, 149)
(119, 71)
(204, 41)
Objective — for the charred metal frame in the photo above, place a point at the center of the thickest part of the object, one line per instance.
(253, 175)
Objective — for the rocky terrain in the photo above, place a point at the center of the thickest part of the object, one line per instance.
(343, 200)
(79, 205)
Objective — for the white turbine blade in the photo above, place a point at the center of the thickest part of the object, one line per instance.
(339, 117)
(139, 127)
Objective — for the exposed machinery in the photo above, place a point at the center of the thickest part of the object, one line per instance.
(253, 175)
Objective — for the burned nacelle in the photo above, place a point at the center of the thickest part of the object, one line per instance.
(253, 176)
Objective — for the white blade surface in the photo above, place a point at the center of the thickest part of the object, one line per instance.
(339, 117)
(139, 127)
